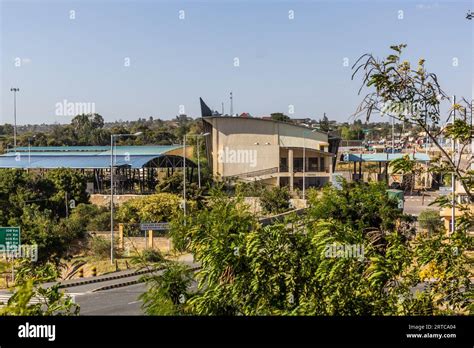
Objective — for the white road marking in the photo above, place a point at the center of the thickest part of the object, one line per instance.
(135, 302)
(5, 297)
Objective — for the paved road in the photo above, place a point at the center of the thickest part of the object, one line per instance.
(115, 301)
(414, 205)
(119, 301)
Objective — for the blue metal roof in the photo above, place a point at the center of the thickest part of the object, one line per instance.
(82, 157)
(92, 150)
(74, 162)
(383, 157)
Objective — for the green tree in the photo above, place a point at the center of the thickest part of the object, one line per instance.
(51, 300)
(279, 116)
(153, 208)
(410, 170)
(414, 95)
(324, 125)
(290, 268)
(275, 200)
(36, 205)
(68, 188)
(430, 221)
(174, 184)
(95, 218)
(363, 206)
(168, 290)
(54, 238)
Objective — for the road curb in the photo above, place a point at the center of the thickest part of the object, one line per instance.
(132, 282)
(91, 281)
(108, 287)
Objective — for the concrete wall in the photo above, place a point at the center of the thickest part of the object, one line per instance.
(162, 244)
(130, 244)
(104, 200)
(254, 206)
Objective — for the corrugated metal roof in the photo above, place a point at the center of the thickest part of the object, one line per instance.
(82, 157)
(92, 150)
(74, 162)
(384, 157)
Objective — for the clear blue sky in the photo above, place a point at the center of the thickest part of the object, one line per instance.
(174, 62)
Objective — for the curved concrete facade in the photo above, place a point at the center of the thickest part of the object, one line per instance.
(267, 150)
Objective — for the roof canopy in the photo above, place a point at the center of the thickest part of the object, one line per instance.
(83, 157)
(93, 150)
(383, 157)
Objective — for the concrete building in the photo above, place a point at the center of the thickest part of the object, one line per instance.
(273, 152)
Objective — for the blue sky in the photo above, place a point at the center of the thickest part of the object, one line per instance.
(175, 61)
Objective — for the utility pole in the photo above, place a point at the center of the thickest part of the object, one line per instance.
(231, 105)
(222, 109)
(14, 90)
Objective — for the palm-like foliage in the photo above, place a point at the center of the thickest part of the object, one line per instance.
(285, 269)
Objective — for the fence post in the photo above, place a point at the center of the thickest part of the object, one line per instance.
(150, 239)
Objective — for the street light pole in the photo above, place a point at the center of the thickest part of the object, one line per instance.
(112, 199)
(184, 175)
(304, 159)
(199, 163)
(304, 164)
(112, 140)
(14, 90)
(198, 154)
(29, 150)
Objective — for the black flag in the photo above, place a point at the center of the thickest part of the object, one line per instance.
(205, 110)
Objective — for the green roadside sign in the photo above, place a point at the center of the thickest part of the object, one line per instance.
(9, 237)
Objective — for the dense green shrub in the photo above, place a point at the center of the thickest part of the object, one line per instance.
(153, 208)
(174, 184)
(430, 220)
(290, 268)
(357, 205)
(95, 218)
(250, 189)
(152, 255)
(275, 200)
(100, 247)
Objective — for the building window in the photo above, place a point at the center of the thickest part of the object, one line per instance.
(284, 182)
(298, 164)
(283, 164)
(312, 164)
